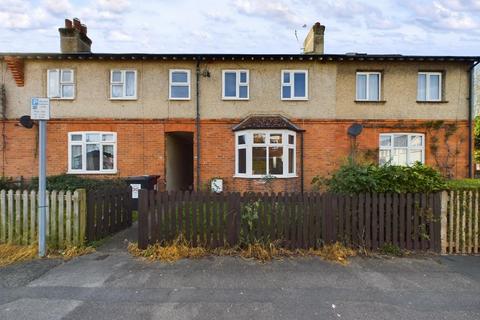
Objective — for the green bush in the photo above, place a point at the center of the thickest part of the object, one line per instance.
(356, 178)
(464, 184)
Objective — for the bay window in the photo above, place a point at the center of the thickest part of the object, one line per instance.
(402, 149)
(262, 153)
(92, 152)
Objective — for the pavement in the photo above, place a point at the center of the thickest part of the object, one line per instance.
(110, 284)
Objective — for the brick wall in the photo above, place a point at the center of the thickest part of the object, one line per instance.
(141, 148)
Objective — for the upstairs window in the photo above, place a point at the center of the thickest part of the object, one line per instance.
(294, 84)
(368, 86)
(179, 85)
(123, 84)
(429, 86)
(60, 84)
(235, 85)
(261, 153)
(403, 149)
(92, 152)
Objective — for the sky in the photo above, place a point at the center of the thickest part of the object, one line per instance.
(423, 27)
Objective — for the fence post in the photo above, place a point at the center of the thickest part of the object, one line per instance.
(443, 221)
(142, 218)
(82, 199)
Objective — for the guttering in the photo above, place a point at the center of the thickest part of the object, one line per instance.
(301, 162)
(471, 73)
(197, 121)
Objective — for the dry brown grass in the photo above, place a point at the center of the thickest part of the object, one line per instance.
(10, 253)
(71, 252)
(181, 249)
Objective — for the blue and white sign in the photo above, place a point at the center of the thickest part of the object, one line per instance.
(40, 109)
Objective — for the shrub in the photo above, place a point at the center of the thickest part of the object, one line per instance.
(356, 178)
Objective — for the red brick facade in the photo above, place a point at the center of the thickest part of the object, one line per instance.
(141, 148)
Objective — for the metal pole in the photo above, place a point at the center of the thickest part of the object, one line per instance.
(41, 186)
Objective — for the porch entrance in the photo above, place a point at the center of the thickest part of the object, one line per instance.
(179, 161)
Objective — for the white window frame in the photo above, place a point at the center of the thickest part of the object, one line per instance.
(291, 84)
(249, 144)
(179, 84)
(84, 144)
(391, 148)
(238, 84)
(368, 73)
(427, 85)
(123, 82)
(60, 84)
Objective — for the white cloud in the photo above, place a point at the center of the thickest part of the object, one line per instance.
(58, 7)
(117, 35)
(115, 6)
(269, 9)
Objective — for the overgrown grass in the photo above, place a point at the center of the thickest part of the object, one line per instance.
(180, 249)
(10, 253)
(463, 184)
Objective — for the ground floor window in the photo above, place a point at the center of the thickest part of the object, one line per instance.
(402, 148)
(262, 153)
(92, 152)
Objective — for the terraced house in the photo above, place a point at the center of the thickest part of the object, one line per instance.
(257, 122)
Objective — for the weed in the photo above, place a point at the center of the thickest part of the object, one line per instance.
(390, 249)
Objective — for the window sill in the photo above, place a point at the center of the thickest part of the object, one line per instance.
(235, 99)
(263, 177)
(62, 99)
(371, 101)
(294, 99)
(432, 101)
(91, 172)
(123, 99)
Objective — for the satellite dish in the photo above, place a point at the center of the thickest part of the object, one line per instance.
(26, 122)
(355, 129)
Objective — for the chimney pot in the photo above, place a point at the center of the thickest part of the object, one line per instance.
(68, 24)
(314, 41)
(76, 23)
(84, 28)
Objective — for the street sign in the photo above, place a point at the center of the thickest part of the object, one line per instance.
(40, 109)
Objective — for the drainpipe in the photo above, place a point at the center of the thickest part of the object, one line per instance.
(197, 120)
(471, 73)
(301, 162)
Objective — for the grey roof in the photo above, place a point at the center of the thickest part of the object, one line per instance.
(247, 57)
(266, 122)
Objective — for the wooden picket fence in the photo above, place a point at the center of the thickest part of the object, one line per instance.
(65, 217)
(461, 222)
(410, 221)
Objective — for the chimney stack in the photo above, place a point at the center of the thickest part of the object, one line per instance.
(73, 37)
(314, 41)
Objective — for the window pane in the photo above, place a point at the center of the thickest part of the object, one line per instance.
(416, 141)
(286, 92)
(243, 77)
(275, 160)
(93, 157)
(179, 76)
(361, 86)
(93, 137)
(76, 137)
(414, 156)
(286, 77)
(242, 160)
(116, 76)
(276, 138)
(385, 140)
(241, 139)
(422, 85)
(230, 84)
(291, 160)
(373, 87)
(67, 91)
(108, 157)
(108, 137)
(53, 84)
(434, 87)
(259, 160)
(399, 157)
(299, 89)
(130, 83)
(180, 92)
(291, 139)
(259, 138)
(243, 92)
(400, 140)
(384, 157)
(67, 76)
(117, 91)
(76, 157)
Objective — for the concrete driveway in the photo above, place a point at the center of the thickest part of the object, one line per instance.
(110, 284)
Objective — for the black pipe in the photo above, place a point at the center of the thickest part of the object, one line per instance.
(301, 162)
(197, 121)
(471, 72)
